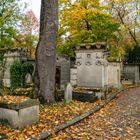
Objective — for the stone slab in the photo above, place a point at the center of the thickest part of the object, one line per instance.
(18, 106)
(10, 117)
(28, 116)
(84, 96)
(20, 115)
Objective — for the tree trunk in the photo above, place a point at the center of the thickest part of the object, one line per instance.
(129, 30)
(46, 52)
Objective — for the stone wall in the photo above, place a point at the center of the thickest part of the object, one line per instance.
(111, 76)
(90, 68)
(1, 73)
(131, 72)
(73, 76)
(94, 70)
(9, 59)
(114, 74)
(64, 64)
(10, 56)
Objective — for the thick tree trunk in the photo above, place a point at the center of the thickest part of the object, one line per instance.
(46, 52)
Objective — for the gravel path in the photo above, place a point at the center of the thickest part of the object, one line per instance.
(119, 120)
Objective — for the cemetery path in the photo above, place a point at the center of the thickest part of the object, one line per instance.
(119, 120)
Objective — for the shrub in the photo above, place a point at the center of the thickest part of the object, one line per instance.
(133, 55)
(16, 75)
(18, 72)
(26, 68)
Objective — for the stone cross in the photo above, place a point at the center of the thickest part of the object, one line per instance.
(68, 93)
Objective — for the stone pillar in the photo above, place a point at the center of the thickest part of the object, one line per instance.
(9, 58)
(73, 76)
(105, 73)
(136, 73)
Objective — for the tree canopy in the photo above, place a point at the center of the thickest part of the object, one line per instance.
(10, 15)
(84, 21)
(27, 34)
(128, 13)
(133, 55)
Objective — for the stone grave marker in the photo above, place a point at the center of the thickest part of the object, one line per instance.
(28, 78)
(68, 93)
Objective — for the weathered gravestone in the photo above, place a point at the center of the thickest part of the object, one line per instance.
(28, 79)
(68, 93)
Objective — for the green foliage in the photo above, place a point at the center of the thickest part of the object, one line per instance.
(127, 13)
(1, 57)
(18, 72)
(133, 55)
(84, 21)
(16, 75)
(26, 68)
(28, 31)
(66, 49)
(10, 15)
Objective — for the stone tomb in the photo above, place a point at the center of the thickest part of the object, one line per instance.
(62, 72)
(92, 68)
(20, 115)
(85, 96)
(131, 73)
(10, 56)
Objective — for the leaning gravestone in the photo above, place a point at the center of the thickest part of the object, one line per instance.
(68, 93)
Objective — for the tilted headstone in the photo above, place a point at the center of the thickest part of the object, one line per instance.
(68, 93)
(28, 78)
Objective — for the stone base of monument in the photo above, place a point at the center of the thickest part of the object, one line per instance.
(127, 82)
(86, 96)
(19, 115)
(100, 95)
